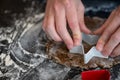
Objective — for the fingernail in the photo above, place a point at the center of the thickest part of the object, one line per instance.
(99, 47)
(70, 47)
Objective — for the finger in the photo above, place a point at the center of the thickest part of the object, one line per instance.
(45, 21)
(50, 28)
(107, 33)
(72, 19)
(116, 51)
(44, 24)
(102, 28)
(61, 25)
(112, 43)
(83, 27)
(80, 13)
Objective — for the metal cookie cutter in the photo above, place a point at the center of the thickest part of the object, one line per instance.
(93, 52)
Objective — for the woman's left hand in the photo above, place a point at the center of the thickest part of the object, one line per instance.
(109, 42)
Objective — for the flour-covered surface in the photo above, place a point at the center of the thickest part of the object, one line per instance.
(22, 45)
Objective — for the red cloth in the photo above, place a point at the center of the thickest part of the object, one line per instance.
(96, 75)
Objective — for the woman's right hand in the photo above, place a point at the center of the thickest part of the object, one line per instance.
(58, 14)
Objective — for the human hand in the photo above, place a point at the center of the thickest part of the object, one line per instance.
(58, 14)
(109, 42)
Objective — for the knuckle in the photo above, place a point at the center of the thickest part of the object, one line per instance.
(116, 37)
(73, 24)
(106, 51)
(56, 6)
(107, 31)
(67, 3)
